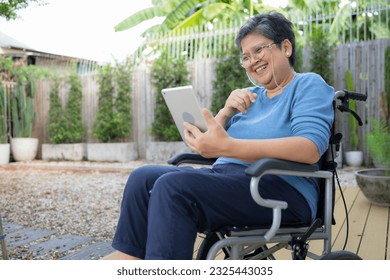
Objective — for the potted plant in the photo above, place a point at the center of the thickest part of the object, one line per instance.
(4, 145)
(23, 146)
(113, 122)
(353, 157)
(375, 182)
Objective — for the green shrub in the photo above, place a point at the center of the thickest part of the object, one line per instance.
(57, 122)
(73, 111)
(103, 127)
(113, 119)
(122, 108)
(229, 76)
(387, 81)
(378, 143)
(320, 60)
(166, 73)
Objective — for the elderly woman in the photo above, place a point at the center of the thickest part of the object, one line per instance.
(286, 115)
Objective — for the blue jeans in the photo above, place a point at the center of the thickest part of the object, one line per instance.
(163, 207)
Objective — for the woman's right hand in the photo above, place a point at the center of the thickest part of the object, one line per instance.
(239, 100)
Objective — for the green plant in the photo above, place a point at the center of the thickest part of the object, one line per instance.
(113, 119)
(229, 76)
(378, 143)
(57, 121)
(3, 115)
(22, 109)
(166, 73)
(103, 127)
(9, 9)
(320, 60)
(387, 82)
(354, 139)
(122, 108)
(73, 111)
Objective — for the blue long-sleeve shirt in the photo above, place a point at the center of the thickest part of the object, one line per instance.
(304, 108)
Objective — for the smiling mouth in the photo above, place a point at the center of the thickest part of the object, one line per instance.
(261, 68)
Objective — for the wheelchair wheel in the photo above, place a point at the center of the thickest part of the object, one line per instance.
(212, 237)
(340, 255)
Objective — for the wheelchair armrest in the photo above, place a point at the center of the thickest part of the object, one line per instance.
(274, 166)
(262, 165)
(190, 158)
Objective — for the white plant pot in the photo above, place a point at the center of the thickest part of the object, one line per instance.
(354, 158)
(112, 152)
(4, 153)
(24, 149)
(72, 152)
(162, 151)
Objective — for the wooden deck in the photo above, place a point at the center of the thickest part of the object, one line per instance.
(369, 227)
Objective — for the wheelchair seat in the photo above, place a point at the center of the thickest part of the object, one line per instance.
(254, 242)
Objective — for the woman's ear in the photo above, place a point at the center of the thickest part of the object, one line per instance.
(287, 47)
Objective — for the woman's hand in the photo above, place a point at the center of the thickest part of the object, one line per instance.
(239, 100)
(211, 143)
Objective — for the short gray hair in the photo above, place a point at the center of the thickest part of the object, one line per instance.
(273, 26)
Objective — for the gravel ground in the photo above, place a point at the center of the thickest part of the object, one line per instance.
(77, 198)
(81, 198)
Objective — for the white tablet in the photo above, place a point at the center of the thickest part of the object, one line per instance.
(184, 107)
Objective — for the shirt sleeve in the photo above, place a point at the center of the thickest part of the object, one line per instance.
(312, 112)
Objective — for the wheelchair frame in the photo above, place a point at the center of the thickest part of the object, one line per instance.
(246, 243)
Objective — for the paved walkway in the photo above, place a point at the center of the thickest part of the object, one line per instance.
(32, 243)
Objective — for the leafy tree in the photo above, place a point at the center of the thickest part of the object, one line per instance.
(186, 13)
(180, 14)
(166, 73)
(8, 9)
(348, 17)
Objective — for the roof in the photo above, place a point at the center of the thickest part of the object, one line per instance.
(11, 43)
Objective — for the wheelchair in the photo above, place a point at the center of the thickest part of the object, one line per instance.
(238, 243)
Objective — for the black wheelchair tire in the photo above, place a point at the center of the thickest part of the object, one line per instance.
(340, 255)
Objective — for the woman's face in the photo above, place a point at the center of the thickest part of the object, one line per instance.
(265, 61)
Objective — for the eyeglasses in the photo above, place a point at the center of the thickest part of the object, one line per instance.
(246, 60)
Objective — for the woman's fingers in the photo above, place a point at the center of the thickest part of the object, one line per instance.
(241, 100)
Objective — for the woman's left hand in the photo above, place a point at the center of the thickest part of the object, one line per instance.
(211, 143)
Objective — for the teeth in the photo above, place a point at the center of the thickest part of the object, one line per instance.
(261, 68)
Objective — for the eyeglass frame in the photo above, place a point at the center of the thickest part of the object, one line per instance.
(259, 51)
